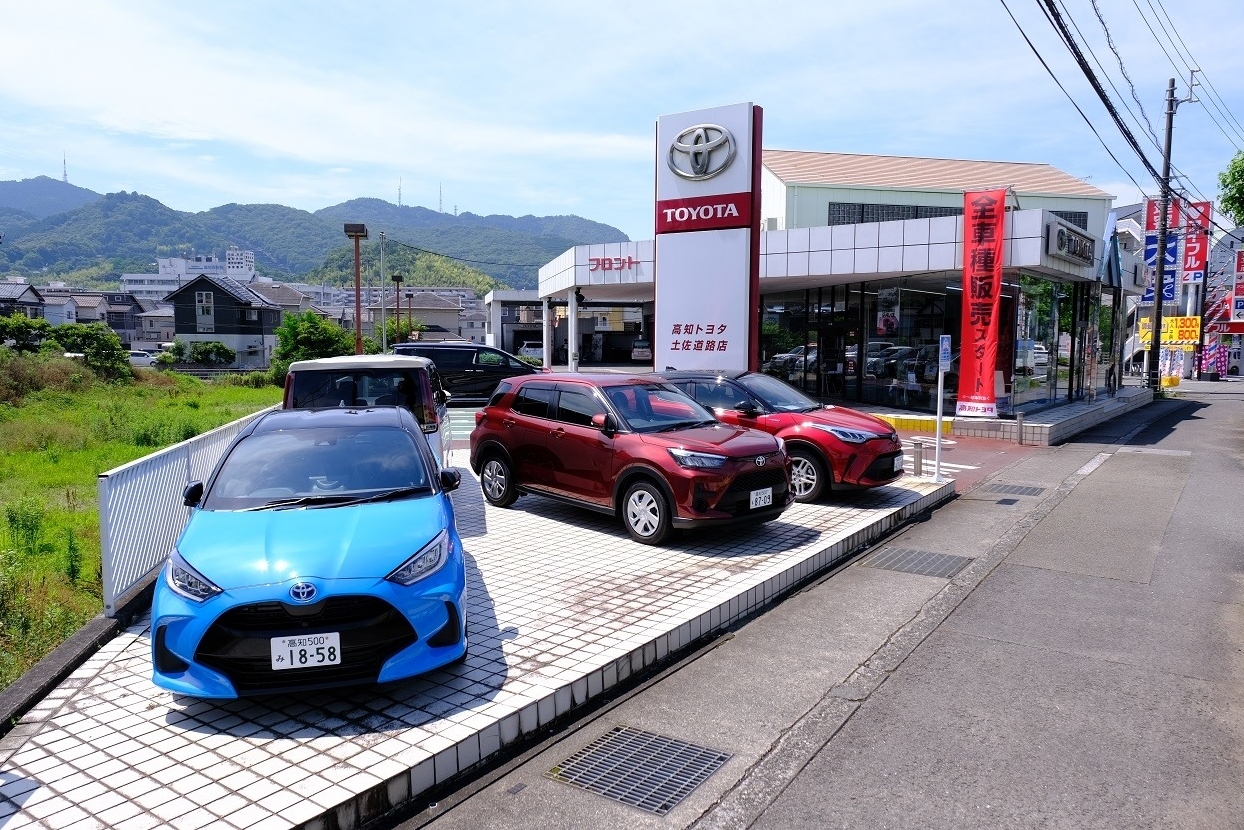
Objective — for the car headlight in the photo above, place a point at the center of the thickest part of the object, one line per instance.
(186, 581)
(851, 436)
(687, 458)
(427, 561)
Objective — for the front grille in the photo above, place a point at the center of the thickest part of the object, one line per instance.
(882, 468)
(737, 499)
(238, 643)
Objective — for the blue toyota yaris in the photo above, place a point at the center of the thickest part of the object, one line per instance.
(321, 552)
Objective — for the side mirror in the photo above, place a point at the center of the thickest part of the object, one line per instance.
(747, 409)
(450, 479)
(441, 396)
(193, 494)
(606, 423)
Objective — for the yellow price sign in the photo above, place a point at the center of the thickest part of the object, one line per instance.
(1176, 331)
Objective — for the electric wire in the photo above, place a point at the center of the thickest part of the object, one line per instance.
(1171, 29)
(1178, 70)
(1054, 77)
(1060, 27)
(1122, 70)
(464, 259)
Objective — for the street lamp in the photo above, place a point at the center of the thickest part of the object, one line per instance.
(357, 231)
(410, 317)
(397, 306)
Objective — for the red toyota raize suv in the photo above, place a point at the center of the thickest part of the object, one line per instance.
(632, 446)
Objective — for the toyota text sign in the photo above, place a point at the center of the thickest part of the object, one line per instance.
(707, 244)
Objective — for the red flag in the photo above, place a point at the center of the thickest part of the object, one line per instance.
(983, 238)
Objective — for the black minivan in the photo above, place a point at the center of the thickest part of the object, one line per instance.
(469, 372)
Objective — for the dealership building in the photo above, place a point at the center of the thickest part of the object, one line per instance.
(859, 254)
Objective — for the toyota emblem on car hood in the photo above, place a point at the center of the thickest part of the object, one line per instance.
(760, 461)
(302, 592)
(701, 152)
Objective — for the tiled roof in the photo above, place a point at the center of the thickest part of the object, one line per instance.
(851, 169)
(13, 290)
(235, 289)
(88, 300)
(277, 292)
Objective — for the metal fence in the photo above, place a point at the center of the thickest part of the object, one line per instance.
(141, 512)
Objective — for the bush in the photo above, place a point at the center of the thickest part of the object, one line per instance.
(251, 380)
(531, 361)
(211, 352)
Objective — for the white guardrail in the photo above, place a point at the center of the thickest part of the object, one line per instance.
(141, 512)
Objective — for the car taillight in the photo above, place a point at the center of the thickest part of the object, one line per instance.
(479, 417)
(287, 398)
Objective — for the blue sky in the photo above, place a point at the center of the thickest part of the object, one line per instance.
(549, 107)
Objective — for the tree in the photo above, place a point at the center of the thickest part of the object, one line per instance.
(307, 336)
(398, 330)
(211, 351)
(25, 332)
(1231, 195)
(100, 345)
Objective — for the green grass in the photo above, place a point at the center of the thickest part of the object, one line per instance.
(54, 443)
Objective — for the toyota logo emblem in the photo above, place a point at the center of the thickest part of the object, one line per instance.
(302, 592)
(760, 460)
(701, 152)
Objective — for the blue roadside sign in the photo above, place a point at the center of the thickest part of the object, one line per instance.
(943, 353)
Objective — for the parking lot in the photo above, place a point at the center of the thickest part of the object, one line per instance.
(562, 606)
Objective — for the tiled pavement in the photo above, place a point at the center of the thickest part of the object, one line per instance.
(561, 606)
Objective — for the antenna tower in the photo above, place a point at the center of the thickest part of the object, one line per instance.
(399, 191)
(64, 170)
(440, 198)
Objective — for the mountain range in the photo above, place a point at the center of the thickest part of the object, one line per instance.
(51, 227)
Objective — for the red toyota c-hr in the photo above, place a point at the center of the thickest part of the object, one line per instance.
(830, 447)
(632, 446)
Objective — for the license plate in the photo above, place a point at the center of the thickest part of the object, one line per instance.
(898, 463)
(762, 498)
(306, 651)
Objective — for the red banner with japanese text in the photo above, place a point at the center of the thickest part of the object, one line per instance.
(983, 237)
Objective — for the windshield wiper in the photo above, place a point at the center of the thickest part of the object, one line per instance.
(300, 501)
(687, 425)
(395, 493)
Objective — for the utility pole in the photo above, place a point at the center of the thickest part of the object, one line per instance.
(384, 335)
(1159, 283)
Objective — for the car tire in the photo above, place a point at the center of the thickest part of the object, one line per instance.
(496, 480)
(646, 513)
(809, 476)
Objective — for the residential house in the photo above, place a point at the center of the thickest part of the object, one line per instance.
(218, 308)
(290, 300)
(20, 298)
(59, 309)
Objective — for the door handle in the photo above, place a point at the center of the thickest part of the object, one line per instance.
(507, 422)
(559, 433)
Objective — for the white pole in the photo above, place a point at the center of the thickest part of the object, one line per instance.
(943, 361)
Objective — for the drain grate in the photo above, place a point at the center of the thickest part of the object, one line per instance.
(1015, 489)
(648, 771)
(921, 562)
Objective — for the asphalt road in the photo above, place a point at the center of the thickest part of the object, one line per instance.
(1085, 669)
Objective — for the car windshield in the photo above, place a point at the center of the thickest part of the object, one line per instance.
(317, 466)
(776, 395)
(653, 407)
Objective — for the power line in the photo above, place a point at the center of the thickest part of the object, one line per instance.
(1060, 27)
(1122, 70)
(1175, 66)
(464, 259)
(1227, 114)
(1054, 77)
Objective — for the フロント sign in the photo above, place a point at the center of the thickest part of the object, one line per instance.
(983, 237)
